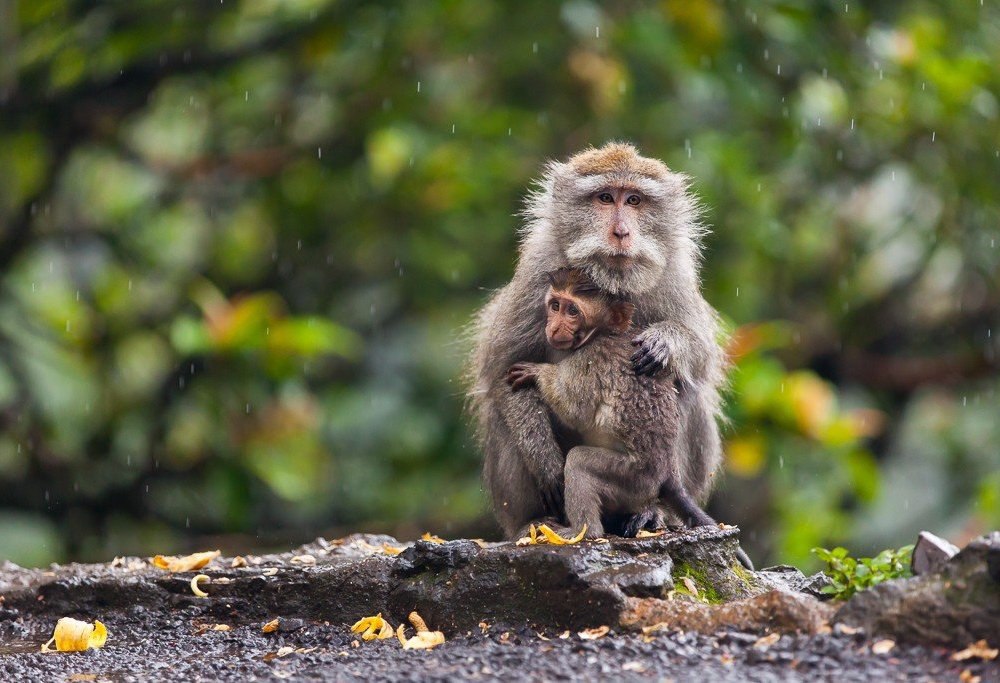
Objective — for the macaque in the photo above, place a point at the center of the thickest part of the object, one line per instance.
(632, 226)
(628, 423)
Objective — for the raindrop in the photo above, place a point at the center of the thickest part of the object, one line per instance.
(248, 408)
(298, 245)
(508, 132)
(845, 8)
(78, 295)
(246, 96)
(319, 152)
(597, 31)
(779, 69)
(767, 54)
(128, 460)
(418, 86)
(130, 284)
(965, 401)
(739, 68)
(46, 495)
(737, 292)
(933, 135)
(893, 174)
(852, 124)
(781, 462)
(187, 522)
(453, 129)
(534, 48)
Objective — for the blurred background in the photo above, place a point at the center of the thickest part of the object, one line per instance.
(239, 242)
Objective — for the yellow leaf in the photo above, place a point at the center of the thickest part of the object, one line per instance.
(373, 628)
(72, 635)
(425, 640)
(883, 646)
(185, 563)
(767, 641)
(643, 533)
(428, 536)
(555, 539)
(594, 633)
(194, 585)
(391, 549)
(979, 649)
(271, 626)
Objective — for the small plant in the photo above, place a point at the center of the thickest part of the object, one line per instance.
(850, 575)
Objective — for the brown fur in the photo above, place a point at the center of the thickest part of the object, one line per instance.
(617, 159)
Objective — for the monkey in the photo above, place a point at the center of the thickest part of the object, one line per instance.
(629, 423)
(632, 225)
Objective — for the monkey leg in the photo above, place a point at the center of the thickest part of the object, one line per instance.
(599, 481)
(523, 464)
(651, 517)
(692, 514)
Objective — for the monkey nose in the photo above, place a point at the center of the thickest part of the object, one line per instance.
(621, 232)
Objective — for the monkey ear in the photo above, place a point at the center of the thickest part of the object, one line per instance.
(621, 315)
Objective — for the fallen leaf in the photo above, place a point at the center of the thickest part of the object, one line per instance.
(307, 560)
(541, 636)
(373, 628)
(238, 561)
(391, 549)
(269, 571)
(881, 647)
(637, 667)
(564, 635)
(194, 585)
(659, 626)
(425, 639)
(968, 677)
(185, 563)
(848, 630)
(73, 635)
(594, 633)
(690, 585)
(483, 627)
(555, 539)
(271, 626)
(222, 627)
(643, 533)
(979, 649)
(428, 536)
(767, 641)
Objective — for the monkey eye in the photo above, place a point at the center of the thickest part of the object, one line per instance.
(573, 310)
(633, 199)
(605, 198)
(554, 305)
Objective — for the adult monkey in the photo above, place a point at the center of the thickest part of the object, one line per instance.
(631, 225)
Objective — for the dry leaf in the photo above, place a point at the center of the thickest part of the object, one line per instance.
(194, 585)
(428, 536)
(848, 630)
(594, 633)
(649, 534)
(555, 539)
(186, 563)
(373, 628)
(269, 571)
(73, 635)
(484, 627)
(637, 667)
(564, 635)
(690, 585)
(391, 549)
(238, 561)
(979, 649)
(271, 626)
(767, 641)
(307, 560)
(881, 647)
(221, 627)
(968, 677)
(659, 626)
(425, 639)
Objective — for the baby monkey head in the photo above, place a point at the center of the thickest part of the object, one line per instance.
(577, 309)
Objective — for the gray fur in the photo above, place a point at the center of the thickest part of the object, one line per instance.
(523, 461)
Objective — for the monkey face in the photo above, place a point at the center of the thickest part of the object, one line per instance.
(568, 320)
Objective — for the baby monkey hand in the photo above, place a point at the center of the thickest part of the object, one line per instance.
(521, 375)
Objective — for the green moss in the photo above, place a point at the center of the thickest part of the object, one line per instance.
(706, 591)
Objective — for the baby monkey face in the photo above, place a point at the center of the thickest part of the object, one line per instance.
(570, 320)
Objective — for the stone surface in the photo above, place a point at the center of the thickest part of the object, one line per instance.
(775, 611)
(955, 605)
(930, 553)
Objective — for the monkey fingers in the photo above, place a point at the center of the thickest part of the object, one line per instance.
(521, 375)
(649, 518)
(651, 356)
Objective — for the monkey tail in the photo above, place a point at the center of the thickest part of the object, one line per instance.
(674, 495)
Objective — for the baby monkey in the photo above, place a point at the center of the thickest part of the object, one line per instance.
(628, 423)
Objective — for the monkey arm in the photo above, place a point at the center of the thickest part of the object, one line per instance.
(693, 355)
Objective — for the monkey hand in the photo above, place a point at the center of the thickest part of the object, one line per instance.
(650, 518)
(660, 347)
(521, 375)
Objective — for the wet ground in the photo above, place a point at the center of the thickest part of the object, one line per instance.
(181, 645)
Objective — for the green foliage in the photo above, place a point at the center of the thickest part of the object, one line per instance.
(850, 575)
(241, 241)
